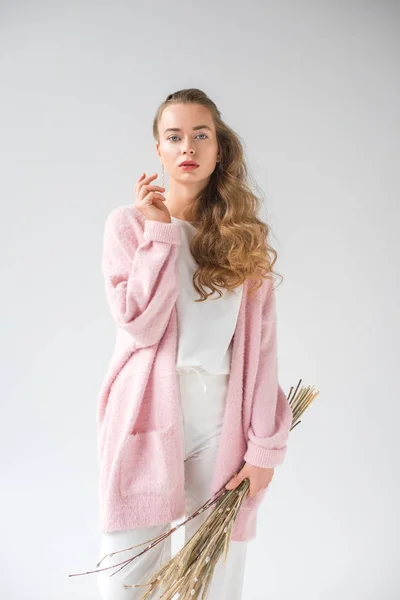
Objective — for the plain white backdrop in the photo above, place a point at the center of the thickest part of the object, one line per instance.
(313, 90)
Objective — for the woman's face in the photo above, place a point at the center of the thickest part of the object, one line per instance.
(187, 132)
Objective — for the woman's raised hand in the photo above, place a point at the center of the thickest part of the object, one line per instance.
(150, 200)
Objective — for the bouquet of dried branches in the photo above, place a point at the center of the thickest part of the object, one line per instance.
(190, 571)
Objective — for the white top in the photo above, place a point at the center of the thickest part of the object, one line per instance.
(205, 329)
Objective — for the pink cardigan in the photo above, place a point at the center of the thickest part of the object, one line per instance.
(140, 447)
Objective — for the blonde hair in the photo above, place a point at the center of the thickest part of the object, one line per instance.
(231, 243)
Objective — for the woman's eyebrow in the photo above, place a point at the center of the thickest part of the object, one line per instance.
(194, 128)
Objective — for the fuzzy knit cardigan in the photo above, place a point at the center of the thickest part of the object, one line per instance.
(140, 446)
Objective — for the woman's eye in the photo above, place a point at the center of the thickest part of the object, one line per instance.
(177, 136)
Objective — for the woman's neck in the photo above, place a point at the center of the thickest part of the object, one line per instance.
(180, 209)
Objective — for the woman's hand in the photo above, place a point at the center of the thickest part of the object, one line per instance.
(149, 199)
(259, 478)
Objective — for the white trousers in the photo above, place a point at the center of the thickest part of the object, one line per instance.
(203, 400)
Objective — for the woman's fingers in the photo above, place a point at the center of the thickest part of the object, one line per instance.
(145, 184)
(149, 199)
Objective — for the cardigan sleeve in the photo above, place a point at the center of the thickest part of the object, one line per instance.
(271, 417)
(141, 278)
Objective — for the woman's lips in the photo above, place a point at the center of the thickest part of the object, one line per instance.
(189, 167)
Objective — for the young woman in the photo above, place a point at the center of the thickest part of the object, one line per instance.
(191, 400)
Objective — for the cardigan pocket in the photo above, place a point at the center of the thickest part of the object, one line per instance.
(148, 462)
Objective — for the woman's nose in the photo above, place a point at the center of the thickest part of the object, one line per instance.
(188, 148)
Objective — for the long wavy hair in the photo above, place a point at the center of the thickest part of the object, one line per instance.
(231, 242)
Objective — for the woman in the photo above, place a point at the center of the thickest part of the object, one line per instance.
(191, 401)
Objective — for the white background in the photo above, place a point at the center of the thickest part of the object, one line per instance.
(313, 90)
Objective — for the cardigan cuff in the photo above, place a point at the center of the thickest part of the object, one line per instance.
(157, 231)
(264, 457)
